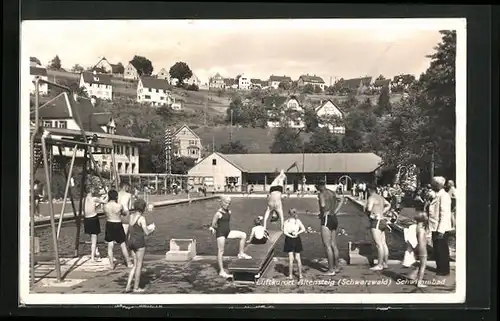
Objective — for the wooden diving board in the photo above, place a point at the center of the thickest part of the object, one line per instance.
(249, 271)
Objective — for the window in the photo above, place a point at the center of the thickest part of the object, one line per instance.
(183, 132)
(133, 151)
(149, 89)
(127, 150)
(63, 124)
(214, 162)
(147, 97)
(126, 167)
(192, 142)
(47, 123)
(193, 152)
(157, 90)
(104, 164)
(133, 168)
(162, 98)
(120, 167)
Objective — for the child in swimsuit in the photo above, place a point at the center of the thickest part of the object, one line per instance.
(136, 241)
(292, 229)
(258, 235)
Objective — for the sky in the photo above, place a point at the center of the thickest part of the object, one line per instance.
(331, 48)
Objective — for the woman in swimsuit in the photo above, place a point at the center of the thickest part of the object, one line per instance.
(422, 219)
(136, 240)
(221, 228)
(274, 200)
(376, 207)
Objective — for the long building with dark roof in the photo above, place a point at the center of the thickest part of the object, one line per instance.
(259, 170)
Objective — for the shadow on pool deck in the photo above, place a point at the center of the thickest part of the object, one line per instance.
(200, 276)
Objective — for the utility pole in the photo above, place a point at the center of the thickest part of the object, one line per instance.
(231, 128)
(168, 149)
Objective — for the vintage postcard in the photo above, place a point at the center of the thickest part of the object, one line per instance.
(285, 161)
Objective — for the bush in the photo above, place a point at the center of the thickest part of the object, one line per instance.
(193, 87)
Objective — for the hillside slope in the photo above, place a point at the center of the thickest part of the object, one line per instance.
(256, 140)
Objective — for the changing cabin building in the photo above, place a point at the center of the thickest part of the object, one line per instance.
(242, 170)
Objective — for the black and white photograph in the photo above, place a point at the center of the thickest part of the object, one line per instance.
(282, 160)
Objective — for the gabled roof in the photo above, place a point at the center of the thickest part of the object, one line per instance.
(97, 78)
(280, 78)
(164, 71)
(154, 83)
(382, 83)
(184, 127)
(64, 106)
(217, 75)
(312, 79)
(313, 163)
(331, 101)
(38, 71)
(355, 83)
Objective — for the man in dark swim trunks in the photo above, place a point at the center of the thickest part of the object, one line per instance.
(329, 205)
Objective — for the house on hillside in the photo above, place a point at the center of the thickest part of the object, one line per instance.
(257, 83)
(311, 80)
(163, 74)
(216, 82)
(97, 85)
(356, 84)
(187, 143)
(37, 72)
(108, 67)
(193, 80)
(274, 81)
(60, 112)
(284, 111)
(328, 113)
(243, 82)
(131, 72)
(259, 170)
(154, 91)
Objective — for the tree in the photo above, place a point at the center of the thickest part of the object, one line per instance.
(35, 60)
(55, 64)
(143, 65)
(233, 147)
(119, 68)
(381, 77)
(180, 71)
(330, 90)
(311, 120)
(287, 140)
(181, 165)
(285, 85)
(317, 89)
(384, 102)
(235, 113)
(77, 68)
(308, 89)
(323, 141)
(100, 70)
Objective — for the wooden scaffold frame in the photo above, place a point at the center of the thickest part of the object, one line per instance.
(78, 140)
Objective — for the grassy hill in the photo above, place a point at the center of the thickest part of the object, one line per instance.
(256, 140)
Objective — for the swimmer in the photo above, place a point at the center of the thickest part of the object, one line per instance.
(329, 205)
(136, 241)
(293, 227)
(114, 228)
(221, 228)
(258, 235)
(274, 202)
(376, 208)
(125, 199)
(423, 232)
(91, 223)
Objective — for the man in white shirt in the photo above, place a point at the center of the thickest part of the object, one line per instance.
(440, 224)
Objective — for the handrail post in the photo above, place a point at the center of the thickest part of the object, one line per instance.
(51, 207)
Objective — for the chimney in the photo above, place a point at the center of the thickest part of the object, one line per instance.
(93, 101)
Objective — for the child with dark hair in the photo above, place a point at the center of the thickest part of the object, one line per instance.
(114, 228)
(258, 235)
(136, 240)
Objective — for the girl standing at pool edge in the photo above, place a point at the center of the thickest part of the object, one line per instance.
(293, 227)
(136, 241)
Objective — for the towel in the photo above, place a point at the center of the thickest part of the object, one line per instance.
(410, 234)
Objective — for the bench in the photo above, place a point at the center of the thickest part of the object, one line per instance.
(249, 271)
